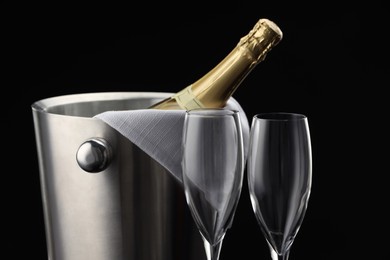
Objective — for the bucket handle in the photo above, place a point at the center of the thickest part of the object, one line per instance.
(94, 155)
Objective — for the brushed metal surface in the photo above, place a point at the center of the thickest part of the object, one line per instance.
(131, 210)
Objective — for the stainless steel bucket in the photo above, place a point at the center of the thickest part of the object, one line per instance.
(103, 197)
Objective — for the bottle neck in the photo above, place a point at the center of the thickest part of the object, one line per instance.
(219, 84)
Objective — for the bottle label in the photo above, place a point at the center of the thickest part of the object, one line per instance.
(186, 99)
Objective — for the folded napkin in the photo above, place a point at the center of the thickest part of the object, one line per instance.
(159, 132)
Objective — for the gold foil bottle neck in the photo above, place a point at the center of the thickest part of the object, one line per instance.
(261, 39)
(216, 87)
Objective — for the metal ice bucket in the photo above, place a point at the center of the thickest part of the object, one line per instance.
(103, 197)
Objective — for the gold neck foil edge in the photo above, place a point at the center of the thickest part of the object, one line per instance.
(187, 100)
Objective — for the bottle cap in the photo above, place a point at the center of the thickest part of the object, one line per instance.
(261, 39)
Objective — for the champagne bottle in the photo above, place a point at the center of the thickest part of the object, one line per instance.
(215, 88)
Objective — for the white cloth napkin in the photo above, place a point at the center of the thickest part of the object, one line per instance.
(159, 132)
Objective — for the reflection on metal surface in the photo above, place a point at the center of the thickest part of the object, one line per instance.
(133, 209)
(94, 155)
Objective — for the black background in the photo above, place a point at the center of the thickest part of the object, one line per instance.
(330, 65)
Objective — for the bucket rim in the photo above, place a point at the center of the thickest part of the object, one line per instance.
(45, 104)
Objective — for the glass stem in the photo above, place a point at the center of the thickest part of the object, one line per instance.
(212, 251)
(276, 256)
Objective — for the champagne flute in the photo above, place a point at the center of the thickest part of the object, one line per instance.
(279, 177)
(213, 169)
